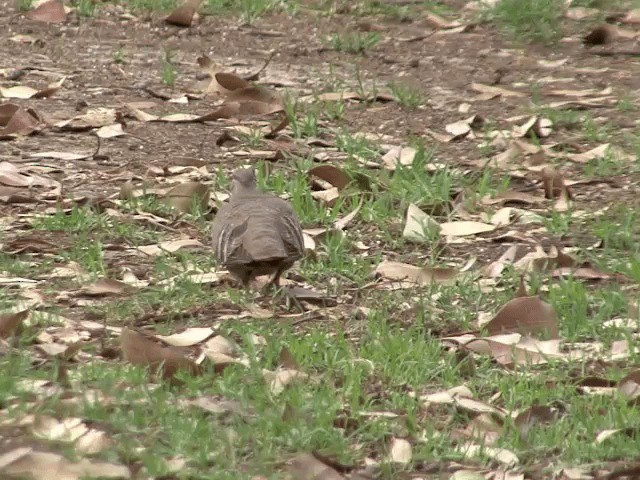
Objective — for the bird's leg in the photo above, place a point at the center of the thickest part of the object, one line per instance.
(275, 281)
(289, 298)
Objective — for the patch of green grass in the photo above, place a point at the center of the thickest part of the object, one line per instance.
(168, 69)
(303, 118)
(407, 96)
(85, 8)
(85, 220)
(618, 228)
(626, 104)
(608, 164)
(24, 5)
(88, 253)
(531, 20)
(250, 11)
(568, 119)
(353, 42)
(118, 55)
(151, 5)
(13, 266)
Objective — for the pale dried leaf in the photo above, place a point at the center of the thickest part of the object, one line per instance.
(398, 156)
(400, 451)
(191, 336)
(413, 275)
(525, 315)
(464, 228)
(418, 225)
(183, 196)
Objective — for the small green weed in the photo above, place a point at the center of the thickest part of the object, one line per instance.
(118, 55)
(406, 95)
(353, 42)
(24, 5)
(85, 8)
(152, 5)
(168, 69)
(531, 20)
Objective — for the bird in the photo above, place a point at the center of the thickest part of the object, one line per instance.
(255, 233)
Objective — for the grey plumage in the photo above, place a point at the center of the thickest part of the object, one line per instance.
(255, 233)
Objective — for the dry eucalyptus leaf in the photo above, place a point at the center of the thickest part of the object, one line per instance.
(183, 196)
(170, 246)
(329, 196)
(412, 275)
(139, 349)
(438, 22)
(97, 117)
(418, 225)
(183, 15)
(400, 451)
(540, 127)
(629, 386)
(106, 287)
(525, 315)
(398, 156)
(282, 377)
(18, 92)
(22, 122)
(329, 173)
(494, 269)
(39, 465)
(191, 336)
(67, 156)
(230, 81)
(464, 228)
(110, 131)
(495, 91)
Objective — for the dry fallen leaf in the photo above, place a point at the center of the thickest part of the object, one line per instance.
(629, 386)
(400, 451)
(191, 336)
(183, 15)
(170, 246)
(306, 466)
(139, 349)
(398, 156)
(525, 315)
(17, 121)
(418, 225)
(331, 174)
(94, 118)
(410, 275)
(185, 195)
(230, 82)
(27, 461)
(464, 228)
(106, 287)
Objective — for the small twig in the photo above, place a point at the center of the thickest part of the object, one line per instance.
(256, 75)
(95, 154)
